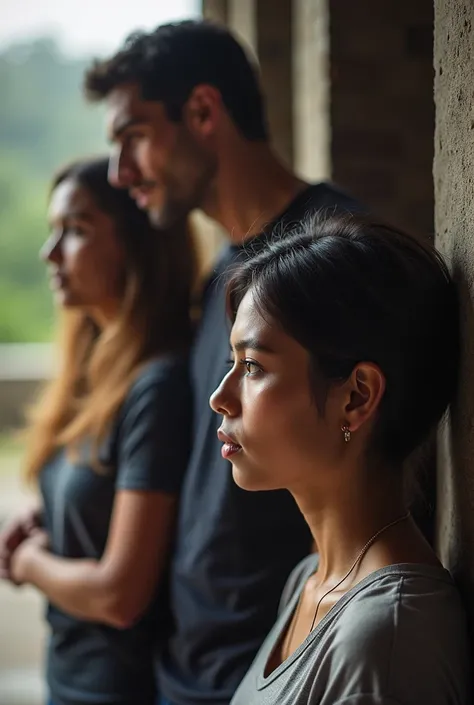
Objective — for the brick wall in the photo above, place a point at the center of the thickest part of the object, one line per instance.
(382, 109)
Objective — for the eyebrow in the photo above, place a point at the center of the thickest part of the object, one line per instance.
(121, 128)
(252, 344)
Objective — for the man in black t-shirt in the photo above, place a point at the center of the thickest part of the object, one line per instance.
(187, 121)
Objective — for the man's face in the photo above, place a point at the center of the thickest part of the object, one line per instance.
(166, 168)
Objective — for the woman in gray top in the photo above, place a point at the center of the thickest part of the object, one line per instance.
(345, 352)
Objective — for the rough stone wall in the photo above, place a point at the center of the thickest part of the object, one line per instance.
(275, 55)
(454, 194)
(382, 112)
(241, 18)
(216, 10)
(311, 89)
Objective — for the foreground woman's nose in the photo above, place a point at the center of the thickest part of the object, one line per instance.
(223, 400)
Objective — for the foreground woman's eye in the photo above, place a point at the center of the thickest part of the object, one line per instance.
(251, 367)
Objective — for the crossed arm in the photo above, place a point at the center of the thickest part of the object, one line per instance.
(118, 588)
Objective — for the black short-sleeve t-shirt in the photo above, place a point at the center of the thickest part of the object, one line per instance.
(234, 549)
(147, 449)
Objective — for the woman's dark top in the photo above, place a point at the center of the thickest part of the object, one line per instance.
(147, 449)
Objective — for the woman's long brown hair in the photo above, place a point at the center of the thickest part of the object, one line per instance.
(96, 368)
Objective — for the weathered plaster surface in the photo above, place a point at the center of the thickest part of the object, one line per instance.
(454, 195)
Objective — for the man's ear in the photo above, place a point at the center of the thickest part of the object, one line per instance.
(203, 110)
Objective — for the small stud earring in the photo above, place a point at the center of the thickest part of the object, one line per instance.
(347, 433)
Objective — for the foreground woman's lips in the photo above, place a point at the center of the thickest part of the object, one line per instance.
(230, 447)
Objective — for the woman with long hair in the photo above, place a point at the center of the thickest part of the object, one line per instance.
(108, 441)
(345, 355)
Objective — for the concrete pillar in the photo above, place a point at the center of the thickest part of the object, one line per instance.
(216, 10)
(454, 219)
(243, 22)
(382, 111)
(274, 21)
(311, 89)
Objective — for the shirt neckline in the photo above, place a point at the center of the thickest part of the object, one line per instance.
(299, 198)
(397, 569)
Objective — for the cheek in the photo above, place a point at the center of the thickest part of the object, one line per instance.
(94, 273)
(109, 275)
(75, 258)
(154, 154)
(284, 438)
(281, 430)
(73, 247)
(142, 154)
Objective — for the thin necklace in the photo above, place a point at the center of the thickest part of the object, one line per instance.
(353, 566)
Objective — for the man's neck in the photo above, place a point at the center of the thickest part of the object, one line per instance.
(251, 189)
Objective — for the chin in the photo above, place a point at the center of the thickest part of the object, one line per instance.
(163, 217)
(252, 481)
(68, 300)
(155, 218)
(63, 300)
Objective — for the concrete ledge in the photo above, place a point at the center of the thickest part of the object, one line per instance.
(21, 687)
(23, 368)
(32, 361)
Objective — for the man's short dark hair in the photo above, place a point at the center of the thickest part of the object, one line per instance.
(168, 63)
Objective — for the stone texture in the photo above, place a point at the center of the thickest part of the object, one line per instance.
(242, 20)
(454, 217)
(382, 111)
(274, 22)
(216, 10)
(311, 89)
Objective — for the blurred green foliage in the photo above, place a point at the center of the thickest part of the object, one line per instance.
(44, 123)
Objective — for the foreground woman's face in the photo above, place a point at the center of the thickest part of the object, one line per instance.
(272, 431)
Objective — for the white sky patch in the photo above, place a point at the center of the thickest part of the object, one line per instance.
(84, 27)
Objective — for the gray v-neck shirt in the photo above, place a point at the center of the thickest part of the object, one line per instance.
(399, 637)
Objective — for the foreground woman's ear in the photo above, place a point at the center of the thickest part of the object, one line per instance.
(365, 387)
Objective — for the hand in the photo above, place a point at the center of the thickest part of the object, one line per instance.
(20, 561)
(15, 532)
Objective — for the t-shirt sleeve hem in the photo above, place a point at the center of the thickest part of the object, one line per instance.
(154, 433)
